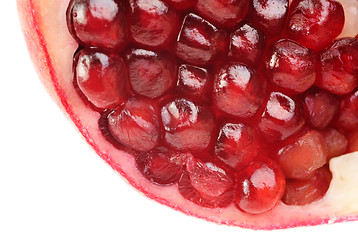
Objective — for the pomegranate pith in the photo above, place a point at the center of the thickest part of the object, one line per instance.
(143, 117)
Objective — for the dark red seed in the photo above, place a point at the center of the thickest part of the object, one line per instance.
(224, 13)
(291, 66)
(98, 23)
(315, 23)
(336, 142)
(153, 22)
(135, 125)
(238, 90)
(199, 41)
(282, 118)
(237, 145)
(348, 112)
(247, 44)
(353, 142)
(151, 74)
(320, 108)
(260, 186)
(188, 126)
(181, 4)
(101, 77)
(206, 184)
(340, 67)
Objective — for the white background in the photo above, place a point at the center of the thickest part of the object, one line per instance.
(53, 186)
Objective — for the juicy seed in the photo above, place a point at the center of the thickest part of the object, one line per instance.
(315, 23)
(188, 127)
(238, 90)
(101, 77)
(225, 13)
(135, 125)
(151, 74)
(348, 112)
(181, 4)
(336, 143)
(199, 41)
(259, 186)
(291, 66)
(153, 22)
(206, 184)
(353, 142)
(98, 23)
(302, 158)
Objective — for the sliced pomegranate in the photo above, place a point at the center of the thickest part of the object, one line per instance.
(206, 184)
(300, 159)
(315, 23)
(336, 143)
(291, 66)
(260, 186)
(238, 90)
(151, 74)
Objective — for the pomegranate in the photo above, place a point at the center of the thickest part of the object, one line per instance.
(239, 112)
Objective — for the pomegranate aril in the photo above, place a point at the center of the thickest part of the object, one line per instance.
(315, 23)
(269, 16)
(348, 112)
(238, 90)
(181, 4)
(199, 41)
(259, 186)
(300, 159)
(302, 192)
(151, 74)
(98, 23)
(193, 82)
(162, 166)
(188, 126)
(320, 108)
(153, 22)
(206, 184)
(101, 77)
(237, 145)
(353, 142)
(247, 44)
(282, 118)
(336, 142)
(225, 13)
(135, 125)
(291, 66)
(339, 67)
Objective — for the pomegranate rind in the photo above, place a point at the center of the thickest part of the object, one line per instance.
(44, 26)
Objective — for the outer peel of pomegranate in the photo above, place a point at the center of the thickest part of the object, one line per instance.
(52, 49)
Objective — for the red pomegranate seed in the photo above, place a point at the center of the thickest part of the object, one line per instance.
(282, 118)
(135, 125)
(181, 4)
(300, 159)
(315, 23)
(247, 44)
(188, 127)
(101, 77)
(193, 82)
(162, 166)
(348, 112)
(153, 22)
(98, 23)
(269, 15)
(339, 67)
(302, 192)
(237, 145)
(291, 66)
(320, 108)
(259, 186)
(225, 13)
(151, 74)
(238, 90)
(336, 142)
(353, 142)
(206, 184)
(199, 42)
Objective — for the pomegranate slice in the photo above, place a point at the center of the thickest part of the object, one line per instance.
(164, 144)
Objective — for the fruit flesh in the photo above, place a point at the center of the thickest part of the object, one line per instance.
(56, 71)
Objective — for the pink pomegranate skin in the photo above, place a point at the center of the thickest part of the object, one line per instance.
(52, 49)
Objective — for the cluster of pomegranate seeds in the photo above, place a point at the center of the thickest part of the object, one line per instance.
(234, 102)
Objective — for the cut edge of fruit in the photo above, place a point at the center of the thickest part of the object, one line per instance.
(33, 15)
